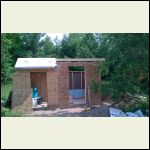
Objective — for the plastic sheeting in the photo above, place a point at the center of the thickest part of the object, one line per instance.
(130, 114)
(119, 113)
(116, 113)
(77, 93)
(139, 113)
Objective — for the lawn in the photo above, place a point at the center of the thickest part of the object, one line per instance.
(6, 112)
(5, 89)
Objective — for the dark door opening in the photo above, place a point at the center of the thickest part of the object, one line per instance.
(39, 80)
(77, 85)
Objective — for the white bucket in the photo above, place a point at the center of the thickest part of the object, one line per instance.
(34, 101)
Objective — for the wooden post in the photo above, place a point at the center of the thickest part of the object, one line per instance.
(89, 96)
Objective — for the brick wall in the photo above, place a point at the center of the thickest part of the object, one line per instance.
(52, 88)
(22, 93)
(63, 82)
(57, 86)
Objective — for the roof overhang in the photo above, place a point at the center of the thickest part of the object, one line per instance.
(35, 63)
(49, 63)
(80, 59)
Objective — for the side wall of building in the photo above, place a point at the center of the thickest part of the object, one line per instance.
(52, 88)
(63, 82)
(57, 86)
(22, 92)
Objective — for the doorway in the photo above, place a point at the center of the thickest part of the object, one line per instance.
(77, 85)
(39, 80)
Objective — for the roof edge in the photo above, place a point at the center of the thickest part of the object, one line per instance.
(80, 59)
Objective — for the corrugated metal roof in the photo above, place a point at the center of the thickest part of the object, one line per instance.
(35, 63)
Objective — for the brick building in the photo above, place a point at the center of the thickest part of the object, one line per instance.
(62, 83)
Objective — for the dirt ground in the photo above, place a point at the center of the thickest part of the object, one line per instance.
(97, 111)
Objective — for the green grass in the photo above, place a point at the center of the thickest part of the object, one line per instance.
(5, 89)
(5, 112)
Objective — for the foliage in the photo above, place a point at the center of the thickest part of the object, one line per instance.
(126, 66)
(9, 113)
(15, 45)
(95, 86)
(136, 102)
(102, 69)
(48, 49)
(5, 89)
(76, 68)
(6, 59)
(127, 62)
(79, 45)
(106, 88)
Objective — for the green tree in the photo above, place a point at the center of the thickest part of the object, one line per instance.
(128, 62)
(69, 45)
(6, 59)
(79, 45)
(32, 42)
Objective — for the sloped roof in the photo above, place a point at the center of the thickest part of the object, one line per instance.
(35, 63)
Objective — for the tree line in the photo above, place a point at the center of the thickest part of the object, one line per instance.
(126, 55)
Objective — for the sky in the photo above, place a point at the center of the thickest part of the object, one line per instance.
(54, 35)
